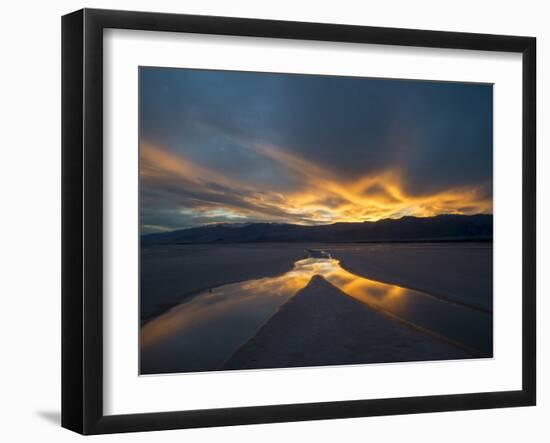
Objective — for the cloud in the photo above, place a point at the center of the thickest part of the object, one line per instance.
(185, 194)
(235, 146)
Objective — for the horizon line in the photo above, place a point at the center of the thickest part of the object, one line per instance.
(243, 224)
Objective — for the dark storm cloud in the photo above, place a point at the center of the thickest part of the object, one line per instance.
(263, 130)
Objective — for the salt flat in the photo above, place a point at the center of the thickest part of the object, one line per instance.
(462, 272)
(170, 274)
(318, 324)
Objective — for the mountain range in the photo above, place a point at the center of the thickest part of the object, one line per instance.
(447, 227)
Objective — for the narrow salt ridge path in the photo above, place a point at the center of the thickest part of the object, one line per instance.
(340, 330)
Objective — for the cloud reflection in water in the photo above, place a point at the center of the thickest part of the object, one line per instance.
(203, 332)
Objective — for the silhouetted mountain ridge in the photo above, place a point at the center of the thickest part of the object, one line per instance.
(439, 228)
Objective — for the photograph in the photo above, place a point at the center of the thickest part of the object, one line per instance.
(298, 220)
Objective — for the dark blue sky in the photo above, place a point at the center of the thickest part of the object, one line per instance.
(219, 146)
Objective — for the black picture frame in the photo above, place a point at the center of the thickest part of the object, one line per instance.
(82, 220)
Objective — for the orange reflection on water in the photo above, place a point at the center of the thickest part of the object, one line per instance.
(371, 292)
(252, 298)
(257, 300)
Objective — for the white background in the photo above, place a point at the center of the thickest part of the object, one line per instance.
(30, 222)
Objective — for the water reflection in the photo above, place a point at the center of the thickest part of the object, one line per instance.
(462, 325)
(202, 333)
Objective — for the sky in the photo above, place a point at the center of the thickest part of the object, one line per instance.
(241, 147)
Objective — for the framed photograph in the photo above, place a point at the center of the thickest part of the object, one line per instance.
(269, 221)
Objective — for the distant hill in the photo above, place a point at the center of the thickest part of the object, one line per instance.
(438, 228)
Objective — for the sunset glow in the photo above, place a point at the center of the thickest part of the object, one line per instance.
(238, 147)
(321, 199)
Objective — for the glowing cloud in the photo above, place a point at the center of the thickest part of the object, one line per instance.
(203, 195)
